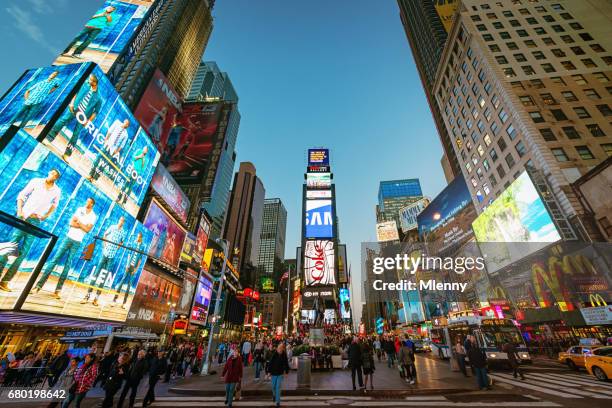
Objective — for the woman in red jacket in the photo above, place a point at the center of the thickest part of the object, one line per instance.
(233, 375)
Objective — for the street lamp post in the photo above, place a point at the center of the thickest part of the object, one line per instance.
(168, 317)
(217, 305)
(288, 299)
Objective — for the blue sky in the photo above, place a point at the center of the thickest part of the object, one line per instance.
(319, 73)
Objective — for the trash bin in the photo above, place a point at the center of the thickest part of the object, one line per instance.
(303, 371)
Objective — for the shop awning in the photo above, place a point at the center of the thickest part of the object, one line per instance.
(137, 336)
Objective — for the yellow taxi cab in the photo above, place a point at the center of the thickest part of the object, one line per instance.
(574, 356)
(599, 363)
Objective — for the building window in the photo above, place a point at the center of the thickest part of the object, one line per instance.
(584, 152)
(558, 52)
(487, 37)
(558, 114)
(481, 101)
(501, 143)
(536, 117)
(548, 99)
(486, 165)
(507, 13)
(607, 148)
(515, 23)
(487, 88)
(511, 132)
(601, 77)
(491, 16)
(589, 63)
(595, 130)
(559, 154)
(494, 48)
(548, 67)
(487, 139)
(549, 41)
(577, 50)
(509, 160)
(527, 100)
(494, 128)
(512, 46)
(528, 70)
(497, 25)
(487, 114)
(557, 80)
(586, 37)
(522, 33)
(571, 132)
(558, 28)
(474, 158)
(582, 113)
(520, 57)
(503, 116)
(579, 79)
(495, 101)
(548, 134)
(568, 65)
(481, 27)
(475, 17)
(505, 35)
(530, 44)
(548, 18)
(567, 39)
(605, 110)
(493, 180)
(569, 96)
(537, 83)
(597, 48)
(557, 7)
(480, 150)
(524, 11)
(500, 171)
(607, 59)
(520, 149)
(539, 55)
(539, 31)
(493, 155)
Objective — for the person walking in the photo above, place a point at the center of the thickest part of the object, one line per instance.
(232, 373)
(258, 359)
(137, 370)
(117, 374)
(513, 359)
(246, 351)
(389, 349)
(478, 361)
(377, 348)
(84, 378)
(57, 367)
(367, 361)
(278, 365)
(104, 367)
(355, 362)
(406, 361)
(65, 380)
(157, 368)
(460, 356)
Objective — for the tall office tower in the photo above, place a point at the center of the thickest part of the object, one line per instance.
(393, 195)
(427, 23)
(243, 222)
(272, 243)
(210, 82)
(526, 85)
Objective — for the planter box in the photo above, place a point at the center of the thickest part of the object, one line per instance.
(337, 361)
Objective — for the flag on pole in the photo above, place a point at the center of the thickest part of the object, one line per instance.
(285, 276)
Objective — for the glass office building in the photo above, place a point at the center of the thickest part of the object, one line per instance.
(393, 195)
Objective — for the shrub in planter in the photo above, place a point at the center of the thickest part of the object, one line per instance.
(301, 349)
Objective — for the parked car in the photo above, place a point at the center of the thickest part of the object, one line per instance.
(599, 363)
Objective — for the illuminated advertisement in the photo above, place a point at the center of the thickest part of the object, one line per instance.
(447, 220)
(191, 139)
(446, 11)
(345, 304)
(168, 236)
(155, 298)
(87, 274)
(319, 263)
(267, 284)
(158, 109)
(37, 95)
(318, 194)
(319, 219)
(318, 180)
(342, 264)
(408, 215)
(106, 34)
(188, 248)
(201, 239)
(318, 157)
(190, 282)
(169, 191)
(201, 301)
(387, 231)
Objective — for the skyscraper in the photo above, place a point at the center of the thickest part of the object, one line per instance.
(393, 195)
(527, 86)
(243, 221)
(427, 23)
(272, 242)
(210, 82)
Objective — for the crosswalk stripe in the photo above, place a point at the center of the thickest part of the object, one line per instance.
(551, 382)
(455, 404)
(590, 379)
(242, 403)
(575, 382)
(425, 398)
(524, 384)
(284, 398)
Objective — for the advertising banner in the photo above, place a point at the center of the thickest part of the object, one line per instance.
(188, 248)
(190, 283)
(44, 191)
(201, 301)
(159, 109)
(408, 215)
(267, 284)
(190, 141)
(168, 235)
(596, 316)
(318, 180)
(153, 302)
(345, 304)
(309, 295)
(106, 34)
(446, 11)
(319, 219)
(318, 157)
(201, 239)
(318, 194)
(342, 264)
(169, 191)
(319, 263)
(387, 231)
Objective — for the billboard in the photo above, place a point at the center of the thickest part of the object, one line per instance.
(319, 219)
(447, 220)
(201, 239)
(387, 231)
(106, 34)
(318, 180)
(158, 109)
(318, 194)
(408, 214)
(168, 235)
(188, 248)
(319, 263)
(266, 284)
(190, 141)
(154, 300)
(169, 191)
(318, 157)
(345, 304)
(44, 191)
(201, 301)
(446, 11)
(190, 283)
(342, 264)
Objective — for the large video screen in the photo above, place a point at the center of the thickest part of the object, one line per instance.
(191, 139)
(106, 34)
(201, 301)
(319, 263)
(345, 303)
(87, 273)
(201, 239)
(319, 219)
(168, 235)
(318, 180)
(318, 157)
(169, 191)
(190, 283)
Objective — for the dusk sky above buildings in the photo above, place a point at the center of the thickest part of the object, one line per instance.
(309, 74)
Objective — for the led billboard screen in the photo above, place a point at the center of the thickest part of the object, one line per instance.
(408, 215)
(318, 157)
(319, 219)
(191, 139)
(201, 301)
(106, 34)
(168, 235)
(387, 231)
(169, 191)
(345, 304)
(318, 180)
(190, 283)
(78, 279)
(201, 239)
(188, 248)
(318, 194)
(342, 264)
(319, 263)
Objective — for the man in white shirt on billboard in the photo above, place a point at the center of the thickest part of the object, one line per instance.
(114, 142)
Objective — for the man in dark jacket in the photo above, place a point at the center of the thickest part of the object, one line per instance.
(105, 366)
(57, 367)
(513, 359)
(389, 349)
(157, 368)
(277, 366)
(138, 369)
(478, 361)
(354, 355)
(117, 373)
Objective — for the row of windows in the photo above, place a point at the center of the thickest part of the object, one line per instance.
(523, 11)
(548, 67)
(580, 111)
(539, 55)
(583, 152)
